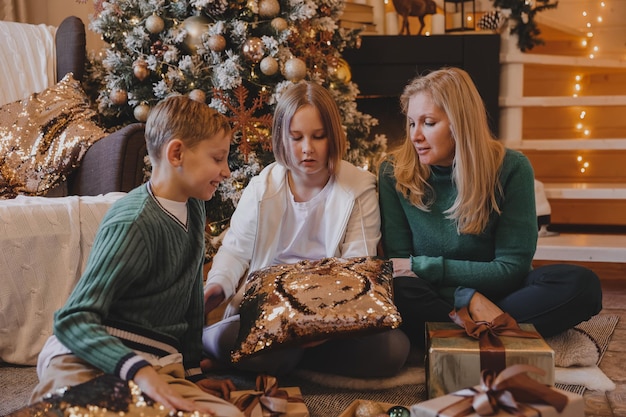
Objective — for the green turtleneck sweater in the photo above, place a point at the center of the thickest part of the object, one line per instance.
(141, 289)
(494, 262)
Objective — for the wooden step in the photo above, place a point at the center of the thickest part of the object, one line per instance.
(582, 248)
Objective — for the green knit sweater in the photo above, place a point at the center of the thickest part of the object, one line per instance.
(494, 262)
(141, 289)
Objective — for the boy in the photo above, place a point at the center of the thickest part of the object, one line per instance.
(137, 311)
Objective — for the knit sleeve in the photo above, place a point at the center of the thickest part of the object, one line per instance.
(119, 254)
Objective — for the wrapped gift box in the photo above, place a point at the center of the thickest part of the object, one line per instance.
(453, 363)
(454, 405)
(295, 403)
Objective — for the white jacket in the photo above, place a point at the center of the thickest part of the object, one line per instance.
(250, 242)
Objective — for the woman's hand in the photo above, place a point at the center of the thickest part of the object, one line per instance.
(402, 267)
(218, 387)
(213, 297)
(156, 388)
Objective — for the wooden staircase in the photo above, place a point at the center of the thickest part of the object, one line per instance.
(567, 114)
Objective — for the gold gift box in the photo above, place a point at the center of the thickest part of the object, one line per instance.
(433, 408)
(453, 363)
(294, 408)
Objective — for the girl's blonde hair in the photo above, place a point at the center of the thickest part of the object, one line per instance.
(302, 94)
(477, 159)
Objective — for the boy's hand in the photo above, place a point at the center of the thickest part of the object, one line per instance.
(213, 297)
(218, 387)
(156, 388)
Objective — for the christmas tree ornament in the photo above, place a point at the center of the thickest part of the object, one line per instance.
(253, 49)
(141, 112)
(195, 26)
(157, 48)
(197, 95)
(279, 24)
(339, 70)
(140, 69)
(295, 70)
(155, 24)
(118, 96)
(268, 8)
(269, 65)
(217, 43)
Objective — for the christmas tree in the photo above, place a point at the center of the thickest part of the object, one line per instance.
(238, 57)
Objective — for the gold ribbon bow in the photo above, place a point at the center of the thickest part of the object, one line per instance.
(492, 353)
(267, 396)
(502, 392)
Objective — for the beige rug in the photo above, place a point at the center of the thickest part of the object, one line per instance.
(574, 379)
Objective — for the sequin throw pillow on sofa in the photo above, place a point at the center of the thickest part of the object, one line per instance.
(44, 137)
(314, 300)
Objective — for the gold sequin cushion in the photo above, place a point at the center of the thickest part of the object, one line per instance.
(43, 138)
(290, 304)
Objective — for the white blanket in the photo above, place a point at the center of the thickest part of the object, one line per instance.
(44, 245)
(27, 60)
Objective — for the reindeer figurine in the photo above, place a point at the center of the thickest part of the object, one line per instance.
(417, 8)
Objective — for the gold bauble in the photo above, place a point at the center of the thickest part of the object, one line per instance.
(268, 8)
(141, 112)
(196, 26)
(368, 409)
(118, 96)
(141, 70)
(295, 70)
(269, 65)
(253, 49)
(197, 95)
(155, 24)
(339, 70)
(279, 24)
(217, 43)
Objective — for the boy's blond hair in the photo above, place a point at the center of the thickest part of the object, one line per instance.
(179, 117)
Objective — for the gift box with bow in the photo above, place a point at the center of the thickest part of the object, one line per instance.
(270, 401)
(512, 392)
(456, 353)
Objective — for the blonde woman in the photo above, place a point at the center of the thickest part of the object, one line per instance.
(459, 219)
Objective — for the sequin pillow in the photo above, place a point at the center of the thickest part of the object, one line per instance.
(315, 300)
(44, 137)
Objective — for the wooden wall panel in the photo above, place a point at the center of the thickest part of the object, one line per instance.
(564, 166)
(589, 212)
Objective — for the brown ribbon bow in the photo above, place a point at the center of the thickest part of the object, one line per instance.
(492, 353)
(502, 392)
(268, 396)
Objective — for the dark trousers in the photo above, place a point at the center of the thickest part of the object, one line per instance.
(553, 298)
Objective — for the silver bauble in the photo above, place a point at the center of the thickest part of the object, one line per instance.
(295, 70)
(268, 8)
(141, 112)
(155, 24)
(195, 26)
(253, 49)
(269, 65)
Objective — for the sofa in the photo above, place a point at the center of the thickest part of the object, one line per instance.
(45, 237)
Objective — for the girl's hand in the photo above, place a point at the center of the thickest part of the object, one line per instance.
(213, 297)
(402, 267)
(218, 387)
(160, 391)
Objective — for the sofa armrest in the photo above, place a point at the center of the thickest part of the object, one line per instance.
(114, 163)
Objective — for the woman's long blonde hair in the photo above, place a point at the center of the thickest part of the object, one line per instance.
(478, 156)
